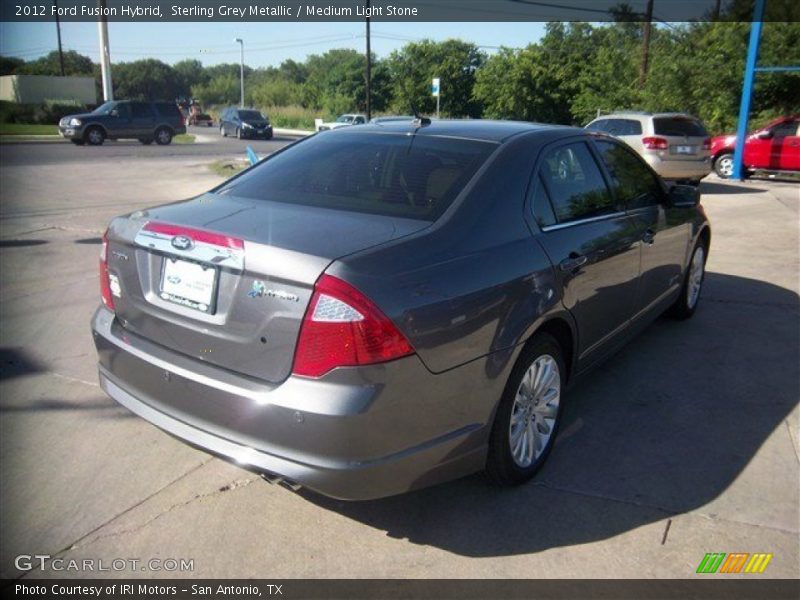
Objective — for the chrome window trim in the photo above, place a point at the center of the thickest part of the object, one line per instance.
(583, 221)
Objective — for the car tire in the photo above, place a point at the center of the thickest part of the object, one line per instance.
(94, 136)
(146, 141)
(527, 419)
(163, 136)
(686, 304)
(78, 142)
(222, 131)
(723, 165)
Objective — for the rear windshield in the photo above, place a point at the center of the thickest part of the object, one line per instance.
(415, 177)
(250, 115)
(681, 126)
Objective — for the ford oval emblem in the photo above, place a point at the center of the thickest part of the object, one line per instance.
(182, 242)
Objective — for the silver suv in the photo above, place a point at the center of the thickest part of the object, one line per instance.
(676, 145)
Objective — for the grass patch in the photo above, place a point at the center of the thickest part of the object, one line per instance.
(184, 138)
(26, 129)
(228, 168)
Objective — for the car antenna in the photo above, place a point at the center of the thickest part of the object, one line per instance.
(419, 120)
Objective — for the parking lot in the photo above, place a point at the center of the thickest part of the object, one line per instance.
(686, 442)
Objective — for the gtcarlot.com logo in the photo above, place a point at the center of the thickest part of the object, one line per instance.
(734, 562)
(45, 562)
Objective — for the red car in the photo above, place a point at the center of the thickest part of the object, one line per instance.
(774, 147)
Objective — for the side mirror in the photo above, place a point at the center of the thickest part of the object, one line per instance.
(683, 196)
(764, 135)
(114, 113)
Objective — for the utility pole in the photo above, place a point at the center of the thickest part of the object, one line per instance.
(241, 70)
(717, 7)
(646, 43)
(369, 69)
(58, 32)
(105, 55)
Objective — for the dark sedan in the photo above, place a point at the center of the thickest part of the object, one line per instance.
(244, 123)
(380, 308)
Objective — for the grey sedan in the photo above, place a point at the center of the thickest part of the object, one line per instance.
(381, 308)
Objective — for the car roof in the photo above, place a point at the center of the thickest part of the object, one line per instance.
(633, 113)
(475, 129)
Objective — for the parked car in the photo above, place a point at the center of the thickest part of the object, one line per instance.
(244, 123)
(145, 121)
(392, 119)
(384, 307)
(343, 121)
(676, 145)
(774, 147)
(200, 119)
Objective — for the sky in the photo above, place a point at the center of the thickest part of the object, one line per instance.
(266, 44)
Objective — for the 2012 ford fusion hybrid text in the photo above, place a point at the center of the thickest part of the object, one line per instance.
(379, 308)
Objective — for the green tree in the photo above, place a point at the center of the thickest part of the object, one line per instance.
(10, 64)
(146, 79)
(189, 73)
(455, 62)
(74, 64)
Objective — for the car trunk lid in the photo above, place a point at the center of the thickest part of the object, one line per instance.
(227, 280)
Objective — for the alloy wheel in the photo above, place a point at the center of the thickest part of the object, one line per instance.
(535, 410)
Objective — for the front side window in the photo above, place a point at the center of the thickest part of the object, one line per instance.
(416, 177)
(633, 183)
(784, 129)
(576, 187)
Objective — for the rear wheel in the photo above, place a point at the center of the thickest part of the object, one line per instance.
(163, 136)
(686, 303)
(723, 166)
(527, 418)
(94, 136)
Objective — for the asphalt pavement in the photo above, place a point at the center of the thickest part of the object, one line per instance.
(210, 144)
(686, 442)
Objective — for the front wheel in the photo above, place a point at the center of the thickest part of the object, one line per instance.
(686, 303)
(723, 166)
(528, 415)
(95, 136)
(163, 136)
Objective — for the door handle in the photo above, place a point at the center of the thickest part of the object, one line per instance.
(573, 263)
(649, 237)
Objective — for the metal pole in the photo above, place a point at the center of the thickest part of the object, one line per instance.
(369, 69)
(241, 71)
(747, 88)
(438, 96)
(105, 55)
(646, 43)
(58, 32)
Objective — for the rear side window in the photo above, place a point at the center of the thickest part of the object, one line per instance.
(617, 126)
(785, 129)
(167, 109)
(542, 208)
(679, 126)
(633, 182)
(140, 110)
(416, 177)
(577, 189)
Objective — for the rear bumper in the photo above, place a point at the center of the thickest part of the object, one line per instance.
(679, 169)
(355, 434)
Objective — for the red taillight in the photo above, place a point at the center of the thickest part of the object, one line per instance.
(707, 144)
(343, 328)
(105, 283)
(655, 143)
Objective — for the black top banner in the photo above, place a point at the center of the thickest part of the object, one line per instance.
(393, 10)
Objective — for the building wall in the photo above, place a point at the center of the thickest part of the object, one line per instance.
(35, 89)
